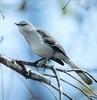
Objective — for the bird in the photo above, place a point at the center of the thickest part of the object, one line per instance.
(46, 46)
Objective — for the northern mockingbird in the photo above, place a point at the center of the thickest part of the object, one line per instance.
(45, 46)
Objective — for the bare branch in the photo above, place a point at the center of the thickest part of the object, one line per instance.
(61, 70)
(20, 67)
(2, 14)
(72, 86)
(58, 81)
(66, 5)
(50, 90)
(66, 71)
(30, 74)
(62, 92)
(28, 88)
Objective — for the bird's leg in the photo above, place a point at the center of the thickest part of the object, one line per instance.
(45, 63)
(41, 62)
(36, 63)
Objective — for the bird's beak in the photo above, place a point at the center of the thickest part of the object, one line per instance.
(17, 24)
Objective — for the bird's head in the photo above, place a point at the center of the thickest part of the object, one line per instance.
(25, 26)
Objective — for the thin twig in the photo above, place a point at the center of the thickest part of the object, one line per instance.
(49, 90)
(2, 14)
(71, 85)
(58, 81)
(66, 71)
(1, 39)
(62, 92)
(27, 87)
(66, 5)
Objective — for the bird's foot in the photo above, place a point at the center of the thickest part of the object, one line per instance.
(35, 65)
(39, 63)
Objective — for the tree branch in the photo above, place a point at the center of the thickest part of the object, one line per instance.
(72, 86)
(27, 73)
(20, 67)
(64, 71)
(66, 5)
(58, 81)
(62, 92)
(49, 90)
(2, 14)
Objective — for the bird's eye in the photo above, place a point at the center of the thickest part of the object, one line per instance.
(23, 24)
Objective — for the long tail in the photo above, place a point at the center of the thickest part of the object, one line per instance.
(84, 77)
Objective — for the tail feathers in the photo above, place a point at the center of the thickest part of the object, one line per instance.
(84, 77)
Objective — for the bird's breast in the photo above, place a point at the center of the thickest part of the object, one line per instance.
(42, 49)
(37, 45)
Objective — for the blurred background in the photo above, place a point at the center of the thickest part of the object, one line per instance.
(75, 27)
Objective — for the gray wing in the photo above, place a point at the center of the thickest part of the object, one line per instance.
(51, 42)
(43, 34)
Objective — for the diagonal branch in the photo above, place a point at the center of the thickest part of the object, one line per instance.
(27, 73)
(66, 5)
(28, 88)
(62, 92)
(50, 90)
(2, 14)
